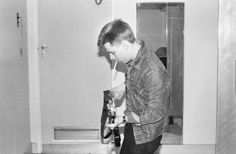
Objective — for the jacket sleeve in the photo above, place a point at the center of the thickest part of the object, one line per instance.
(155, 93)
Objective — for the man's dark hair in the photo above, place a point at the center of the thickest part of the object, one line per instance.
(115, 31)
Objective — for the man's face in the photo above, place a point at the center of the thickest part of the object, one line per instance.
(118, 51)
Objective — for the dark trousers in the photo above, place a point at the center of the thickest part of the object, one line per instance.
(129, 146)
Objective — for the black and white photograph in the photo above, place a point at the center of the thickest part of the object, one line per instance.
(117, 77)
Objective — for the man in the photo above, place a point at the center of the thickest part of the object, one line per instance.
(146, 87)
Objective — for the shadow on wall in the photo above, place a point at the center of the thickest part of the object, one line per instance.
(103, 53)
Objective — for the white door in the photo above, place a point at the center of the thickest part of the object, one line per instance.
(72, 73)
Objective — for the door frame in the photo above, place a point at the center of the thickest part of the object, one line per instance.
(34, 72)
(33, 76)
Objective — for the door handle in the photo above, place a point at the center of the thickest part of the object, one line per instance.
(43, 48)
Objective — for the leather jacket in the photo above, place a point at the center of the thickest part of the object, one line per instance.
(147, 95)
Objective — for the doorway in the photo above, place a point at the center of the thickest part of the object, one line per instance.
(161, 26)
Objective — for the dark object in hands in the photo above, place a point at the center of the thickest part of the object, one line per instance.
(116, 135)
(110, 114)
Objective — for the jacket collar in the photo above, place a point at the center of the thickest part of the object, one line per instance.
(136, 63)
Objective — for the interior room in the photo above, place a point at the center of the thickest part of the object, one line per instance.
(53, 76)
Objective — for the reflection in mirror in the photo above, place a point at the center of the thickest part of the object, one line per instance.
(161, 26)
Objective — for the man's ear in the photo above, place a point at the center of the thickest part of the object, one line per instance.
(107, 45)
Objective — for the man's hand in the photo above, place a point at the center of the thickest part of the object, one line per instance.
(118, 121)
(118, 91)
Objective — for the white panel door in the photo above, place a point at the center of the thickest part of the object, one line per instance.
(73, 74)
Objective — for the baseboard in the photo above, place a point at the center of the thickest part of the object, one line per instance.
(187, 149)
(98, 148)
(77, 148)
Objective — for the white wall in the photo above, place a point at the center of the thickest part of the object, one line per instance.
(14, 107)
(200, 71)
(200, 65)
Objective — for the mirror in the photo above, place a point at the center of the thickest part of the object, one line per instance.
(161, 26)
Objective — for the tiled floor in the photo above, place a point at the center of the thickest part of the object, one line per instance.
(173, 135)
